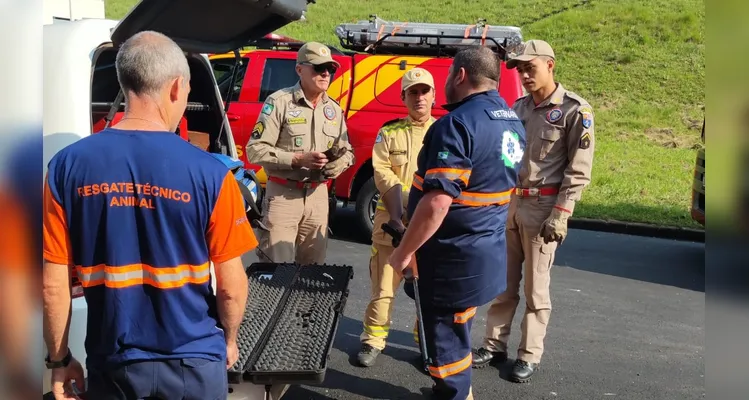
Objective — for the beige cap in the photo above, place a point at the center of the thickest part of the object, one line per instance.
(530, 50)
(415, 76)
(315, 53)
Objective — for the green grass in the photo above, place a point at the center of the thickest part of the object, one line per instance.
(640, 63)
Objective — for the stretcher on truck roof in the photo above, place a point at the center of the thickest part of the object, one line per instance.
(380, 36)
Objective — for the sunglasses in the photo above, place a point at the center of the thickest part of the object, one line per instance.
(323, 67)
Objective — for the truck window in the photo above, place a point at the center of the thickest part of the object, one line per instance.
(222, 70)
(278, 73)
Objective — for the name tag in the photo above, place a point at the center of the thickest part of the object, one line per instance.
(296, 121)
(502, 114)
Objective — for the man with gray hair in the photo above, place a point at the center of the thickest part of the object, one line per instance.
(457, 210)
(139, 215)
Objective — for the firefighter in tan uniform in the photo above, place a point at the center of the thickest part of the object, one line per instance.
(555, 169)
(301, 141)
(394, 161)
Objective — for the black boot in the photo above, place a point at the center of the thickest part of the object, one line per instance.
(367, 355)
(522, 371)
(483, 357)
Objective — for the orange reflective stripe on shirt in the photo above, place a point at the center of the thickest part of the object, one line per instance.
(476, 199)
(418, 181)
(449, 173)
(141, 274)
(473, 199)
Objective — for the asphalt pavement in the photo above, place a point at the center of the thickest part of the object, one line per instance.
(627, 323)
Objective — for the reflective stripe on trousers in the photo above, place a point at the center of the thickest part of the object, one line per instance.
(448, 337)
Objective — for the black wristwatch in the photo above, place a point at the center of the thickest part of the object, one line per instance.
(58, 364)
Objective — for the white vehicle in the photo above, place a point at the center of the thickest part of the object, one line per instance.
(80, 88)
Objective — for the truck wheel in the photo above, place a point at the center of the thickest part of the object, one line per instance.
(366, 203)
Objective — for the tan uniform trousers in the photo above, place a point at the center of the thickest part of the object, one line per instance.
(526, 254)
(385, 281)
(298, 224)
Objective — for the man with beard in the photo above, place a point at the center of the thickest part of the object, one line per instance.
(457, 210)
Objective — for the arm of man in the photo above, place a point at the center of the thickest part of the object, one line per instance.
(56, 274)
(580, 145)
(261, 148)
(229, 236)
(447, 169)
(386, 182)
(336, 167)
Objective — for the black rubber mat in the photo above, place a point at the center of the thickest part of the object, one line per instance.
(267, 284)
(286, 338)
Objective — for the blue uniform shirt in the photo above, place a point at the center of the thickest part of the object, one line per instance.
(140, 215)
(473, 154)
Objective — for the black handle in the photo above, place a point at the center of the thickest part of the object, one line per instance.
(397, 236)
(409, 276)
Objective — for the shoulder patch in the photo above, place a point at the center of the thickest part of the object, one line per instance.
(587, 114)
(267, 108)
(584, 141)
(502, 114)
(257, 131)
(379, 138)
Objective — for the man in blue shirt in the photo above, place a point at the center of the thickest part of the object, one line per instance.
(457, 210)
(139, 214)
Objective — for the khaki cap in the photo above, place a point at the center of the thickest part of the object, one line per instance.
(531, 49)
(415, 76)
(315, 53)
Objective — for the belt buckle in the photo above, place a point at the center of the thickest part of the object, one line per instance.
(533, 191)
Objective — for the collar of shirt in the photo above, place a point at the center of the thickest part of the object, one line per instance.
(413, 122)
(556, 97)
(299, 96)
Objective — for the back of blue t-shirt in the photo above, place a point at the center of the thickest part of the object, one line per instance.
(140, 215)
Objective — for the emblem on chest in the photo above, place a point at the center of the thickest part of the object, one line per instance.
(554, 115)
(329, 112)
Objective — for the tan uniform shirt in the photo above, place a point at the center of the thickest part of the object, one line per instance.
(288, 124)
(394, 159)
(560, 143)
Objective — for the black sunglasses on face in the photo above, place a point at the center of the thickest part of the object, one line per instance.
(324, 67)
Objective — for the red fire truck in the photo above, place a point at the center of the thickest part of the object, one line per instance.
(367, 86)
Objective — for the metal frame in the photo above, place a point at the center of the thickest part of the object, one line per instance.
(433, 50)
